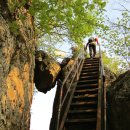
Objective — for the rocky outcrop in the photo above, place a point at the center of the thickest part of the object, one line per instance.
(118, 103)
(46, 71)
(109, 76)
(65, 66)
(16, 67)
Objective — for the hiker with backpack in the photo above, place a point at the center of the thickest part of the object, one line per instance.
(92, 46)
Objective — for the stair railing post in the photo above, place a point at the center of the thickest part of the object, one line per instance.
(103, 103)
(59, 109)
(77, 71)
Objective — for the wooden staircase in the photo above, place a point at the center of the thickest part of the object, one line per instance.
(82, 113)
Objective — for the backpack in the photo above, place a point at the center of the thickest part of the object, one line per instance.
(91, 39)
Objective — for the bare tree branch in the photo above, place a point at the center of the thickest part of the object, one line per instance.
(122, 10)
(124, 7)
(119, 25)
(126, 1)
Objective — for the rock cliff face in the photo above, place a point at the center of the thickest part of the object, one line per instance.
(118, 101)
(109, 76)
(16, 68)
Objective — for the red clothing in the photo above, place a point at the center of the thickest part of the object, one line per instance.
(96, 39)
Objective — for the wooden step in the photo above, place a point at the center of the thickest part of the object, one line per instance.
(87, 86)
(82, 114)
(89, 73)
(78, 104)
(90, 64)
(82, 126)
(76, 124)
(90, 67)
(86, 96)
(86, 91)
(88, 77)
(96, 58)
(89, 81)
(90, 70)
(82, 111)
(81, 120)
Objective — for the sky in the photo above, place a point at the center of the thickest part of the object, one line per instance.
(41, 110)
(113, 9)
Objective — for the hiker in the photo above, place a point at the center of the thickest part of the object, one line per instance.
(92, 46)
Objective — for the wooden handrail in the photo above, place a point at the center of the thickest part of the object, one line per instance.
(77, 71)
(70, 85)
(101, 112)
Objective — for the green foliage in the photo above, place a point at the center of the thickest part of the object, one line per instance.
(118, 37)
(14, 27)
(13, 8)
(15, 5)
(73, 19)
(115, 64)
(64, 19)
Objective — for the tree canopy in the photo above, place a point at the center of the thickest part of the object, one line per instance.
(118, 34)
(64, 20)
(73, 19)
(115, 64)
(118, 37)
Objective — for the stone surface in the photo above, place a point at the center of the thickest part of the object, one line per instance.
(109, 76)
(118, 103)
(46, 71)
(65, 66)
(16, 69)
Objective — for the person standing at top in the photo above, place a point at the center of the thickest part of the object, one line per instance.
(92, 46)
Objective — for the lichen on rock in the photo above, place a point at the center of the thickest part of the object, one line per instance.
(16, 69)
